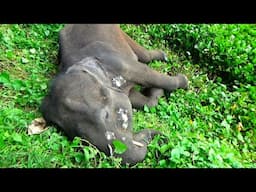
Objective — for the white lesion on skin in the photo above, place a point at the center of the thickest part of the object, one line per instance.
(123, 138)
(118, 81)
(123, 117)
(110, 135)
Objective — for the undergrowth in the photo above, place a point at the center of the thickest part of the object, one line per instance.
(210, 125)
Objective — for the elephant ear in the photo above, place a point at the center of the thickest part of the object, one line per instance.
(75, 106)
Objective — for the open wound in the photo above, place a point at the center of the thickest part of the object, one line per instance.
(118, 81)
(122, 117)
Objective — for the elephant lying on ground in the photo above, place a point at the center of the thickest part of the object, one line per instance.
(93, 94)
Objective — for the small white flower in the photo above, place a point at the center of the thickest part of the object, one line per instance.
(33, 51)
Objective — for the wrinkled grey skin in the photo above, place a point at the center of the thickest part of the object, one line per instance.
(93, 95)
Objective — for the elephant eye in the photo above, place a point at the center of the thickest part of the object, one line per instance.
(104, 94)
(106, 115)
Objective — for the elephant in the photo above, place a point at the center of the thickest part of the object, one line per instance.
(93, 94)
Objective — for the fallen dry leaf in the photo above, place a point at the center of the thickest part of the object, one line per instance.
(37, 126)
(239, 126)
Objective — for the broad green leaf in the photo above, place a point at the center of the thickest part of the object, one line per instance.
(1, 142)
(4, 77)
(119, 146)
(175, 154)
(86, 154)
(17, 137)
(162, 163)
(164, 148)
(146, 109)
(211, 100)
(17, 85)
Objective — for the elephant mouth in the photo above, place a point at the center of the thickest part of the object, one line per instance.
(121, 133)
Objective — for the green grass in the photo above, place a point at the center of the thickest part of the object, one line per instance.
(209, 125)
